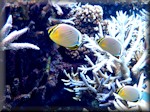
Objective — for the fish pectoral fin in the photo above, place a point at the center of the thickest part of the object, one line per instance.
(73, 48)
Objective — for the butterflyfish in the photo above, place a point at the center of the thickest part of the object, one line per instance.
(130, 93)
(65, 35)
(111, 45)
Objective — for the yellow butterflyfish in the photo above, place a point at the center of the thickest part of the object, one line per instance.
(111, 45)
(130, 93)
(65, 35)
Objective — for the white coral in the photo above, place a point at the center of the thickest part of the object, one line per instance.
(7, 38)
(131, 32)
(80, 82)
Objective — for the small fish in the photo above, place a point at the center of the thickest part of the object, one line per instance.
(47, 69)
(65, 35)
(111, 45)
(130, 93)
(60, 21)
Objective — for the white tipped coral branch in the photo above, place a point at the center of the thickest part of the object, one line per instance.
(129, 36)
(100, 30)
(86, 83)
(95, 68)
(119, 105)
(119, 25)
(6, 28)
(13, 36)
(56, 6)
(7, 40)
(145, 15)
(133, 48)
(141, 81)
(106, 104)
(137, 66)
(103, 96)
(73, 79)
(16, 46)
(124, 71)
(98, 66)
(91, 44)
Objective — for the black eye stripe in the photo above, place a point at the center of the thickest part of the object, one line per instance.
(99, 40)
(49, 32)
(119, 90)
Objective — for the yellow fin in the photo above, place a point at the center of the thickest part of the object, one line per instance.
(74, 47)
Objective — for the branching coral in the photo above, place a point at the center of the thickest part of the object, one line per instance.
(131, 32)
(7, 38)
(95, 85)
(99, 74)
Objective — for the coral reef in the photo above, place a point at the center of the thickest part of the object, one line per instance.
(87, 16)
(86, 19)
(31, 75)
(37, 79)
(101, 74)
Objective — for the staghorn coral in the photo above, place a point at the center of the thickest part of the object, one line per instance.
(6, 43)
(107, 68)
(94, 85)
(38, 83)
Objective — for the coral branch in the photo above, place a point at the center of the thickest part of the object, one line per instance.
(137, 67)
(13, 36)
(7, 40)
(86, 83)
(6, 28)
(16, 46)
(134, 47)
